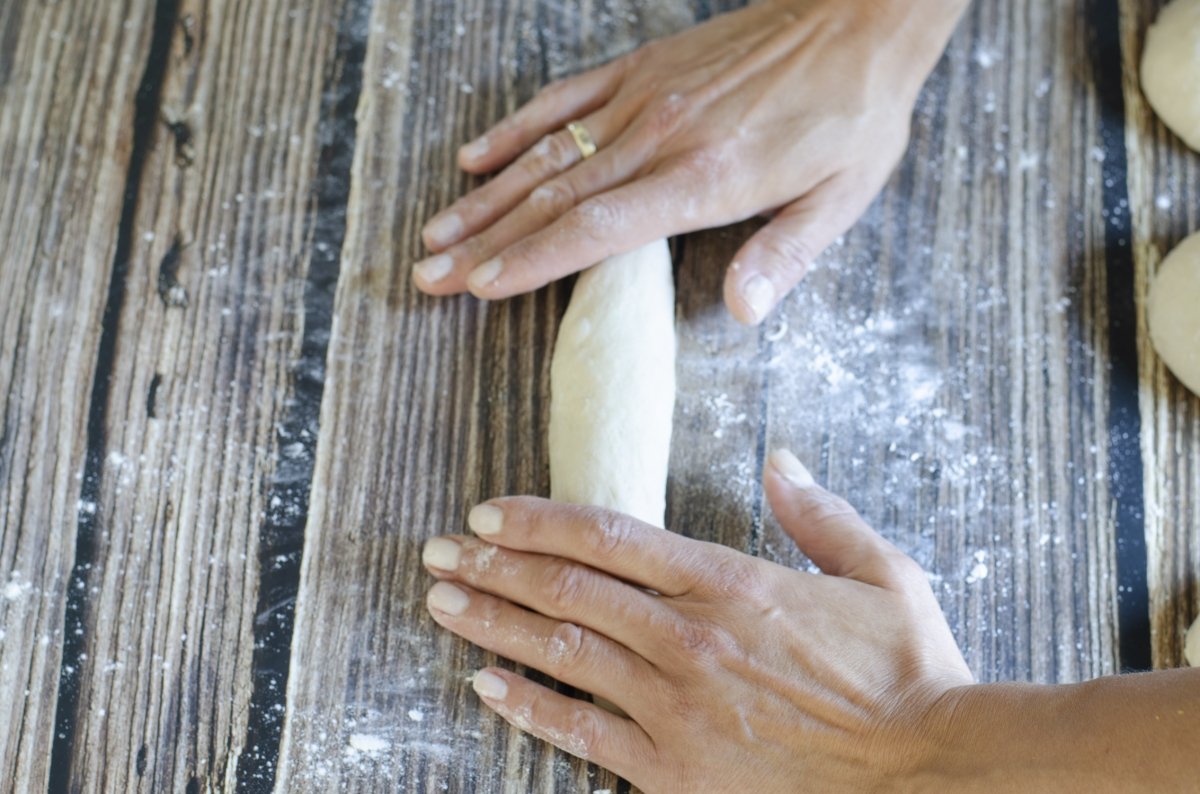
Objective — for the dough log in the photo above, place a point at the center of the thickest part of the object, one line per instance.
(612, 384)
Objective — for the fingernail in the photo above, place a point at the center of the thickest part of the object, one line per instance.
(434, 269)
(485, 520)
(759, 296)
(788, 465)
(476, 148)
(484, 275)
(445, 597)
(444, 230)
(489, 685)
(441, 553)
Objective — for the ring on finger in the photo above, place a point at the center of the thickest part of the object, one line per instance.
(583, 139)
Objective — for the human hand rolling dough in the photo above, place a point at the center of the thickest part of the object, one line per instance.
(732, 673)
(793, 108)
(736, 674)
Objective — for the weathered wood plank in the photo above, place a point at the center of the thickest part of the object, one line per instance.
(430, 406)
(947, 368)
(195, 437)
(68, 75)
(1164, 194)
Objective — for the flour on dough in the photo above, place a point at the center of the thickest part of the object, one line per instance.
(1171, 69)
(612, 386)
(1174, 311)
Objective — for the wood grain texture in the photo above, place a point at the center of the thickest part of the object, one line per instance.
(222, 399)
(1164, 198)
(954, 351)
(430, 406)
(64, 147)
(206, 317)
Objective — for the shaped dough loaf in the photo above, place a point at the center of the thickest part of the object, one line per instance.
(1174, 311)
(1171, 69)
(612, 384)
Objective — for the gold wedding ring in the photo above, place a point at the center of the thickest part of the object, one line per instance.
(583, 139)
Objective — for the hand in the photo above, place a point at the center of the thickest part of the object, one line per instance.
(793, 108)
(736, 674)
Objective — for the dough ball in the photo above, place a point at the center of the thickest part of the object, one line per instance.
(1171, 69)
(1174, 311)
(1191, 646)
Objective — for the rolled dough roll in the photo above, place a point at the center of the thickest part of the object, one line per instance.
(1171, 69)
(612, 386)
(1174, 311)
(1191, 645)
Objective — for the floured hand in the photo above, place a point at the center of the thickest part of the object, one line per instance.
(796, 109)
(736, 674)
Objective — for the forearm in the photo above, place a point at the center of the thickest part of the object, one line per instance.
(1121, 733)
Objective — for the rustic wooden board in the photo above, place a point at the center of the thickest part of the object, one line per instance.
(217, 440)
(430, 406)
(65, 138)
(193, 431)
(1164, 197)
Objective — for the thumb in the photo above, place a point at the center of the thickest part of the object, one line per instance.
(827, 529)
(778, 255)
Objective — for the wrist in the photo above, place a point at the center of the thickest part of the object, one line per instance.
(992, 737)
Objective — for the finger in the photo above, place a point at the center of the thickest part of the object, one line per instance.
(575, 726)
(552, 586)
(548, 202)
(551, 156)
(604, 225)
(553, 107)
(778, 256)
(568, 652)
(612, 542)
(827, 529)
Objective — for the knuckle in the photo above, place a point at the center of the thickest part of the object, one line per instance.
(709, 165)
(821, 507)
(610, 535)
(552, 199)
(703, 643)
(473, 249)
(792, 252)
(564, 585)
(565, 646)
(668, 113)
(548, 156)
(743, 581)
(487, 611)
(596, 218)
(586, 730)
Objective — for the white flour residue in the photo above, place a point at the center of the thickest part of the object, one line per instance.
(979, 570)
(369, 744)
(724, 413)
(522, 718)
(366, 743)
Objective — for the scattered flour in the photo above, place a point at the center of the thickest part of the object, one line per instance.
(366, 743)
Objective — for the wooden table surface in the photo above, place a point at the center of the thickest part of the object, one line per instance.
(229, 421)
